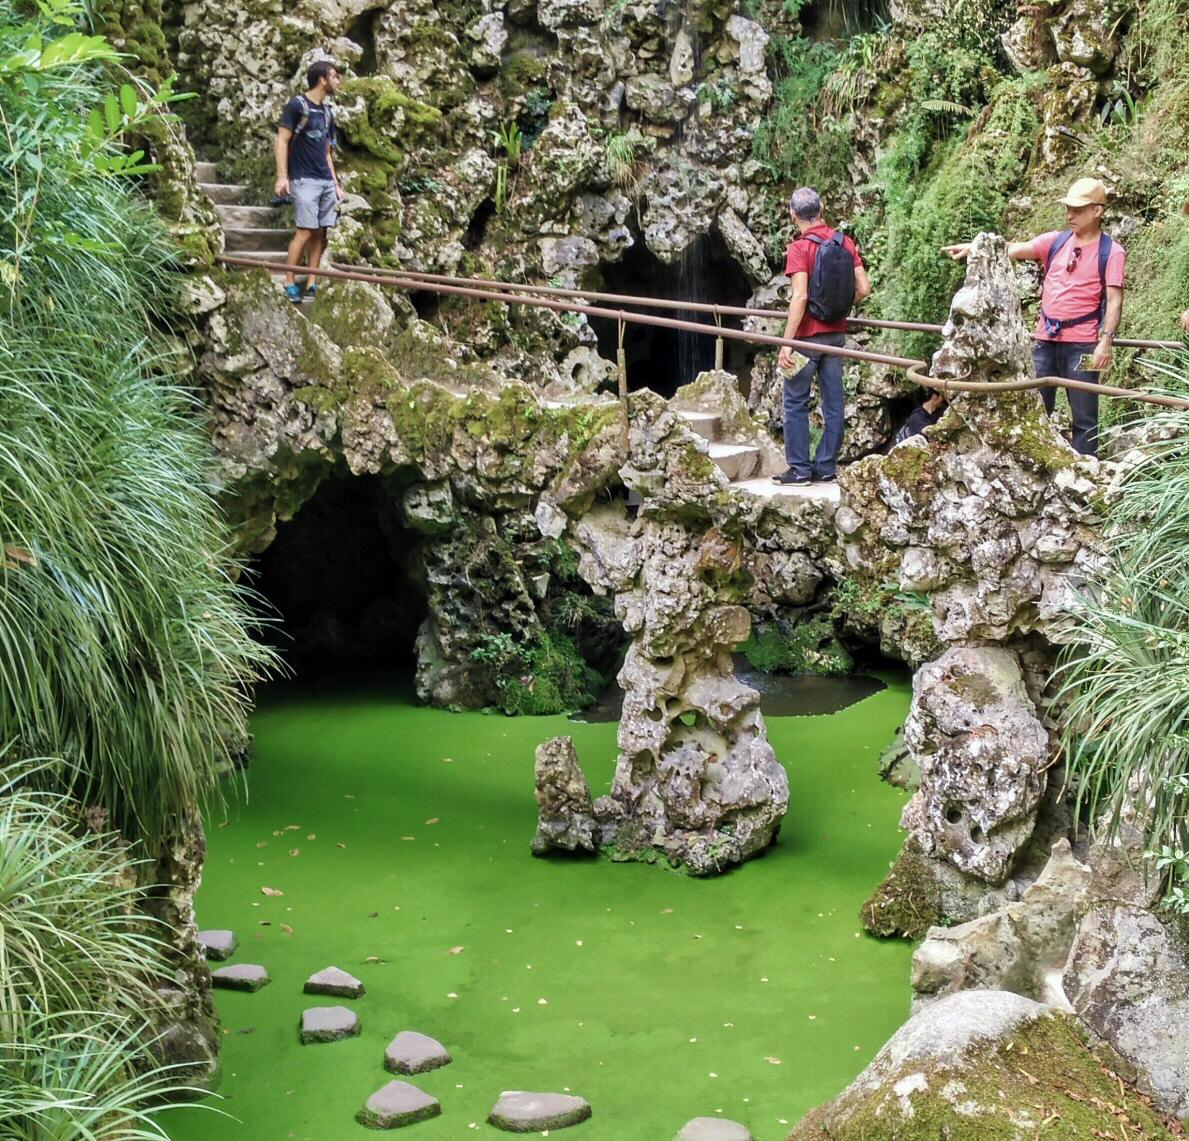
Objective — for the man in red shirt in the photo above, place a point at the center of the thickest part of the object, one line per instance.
(813, 237)
(1081, 302)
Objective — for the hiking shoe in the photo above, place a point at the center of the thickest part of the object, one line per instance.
(833, 478)
(790, 477)
(312, 289)
(293, 292)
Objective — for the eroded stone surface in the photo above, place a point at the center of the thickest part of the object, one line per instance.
(565, 809)
(328, 1024)
(413, 1053)
(397, 1104)
(519, 1112)
(982, 749)
(331, 980)
(1128, 979)
(240, 976)
(217, 945)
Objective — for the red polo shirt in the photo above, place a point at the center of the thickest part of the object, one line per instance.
(801, 255)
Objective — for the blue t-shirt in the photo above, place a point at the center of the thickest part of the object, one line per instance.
(307, 150)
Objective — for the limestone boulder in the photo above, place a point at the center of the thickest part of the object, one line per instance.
(565, 809)
(1128, 980)
(1022, 948)
(1086, 34)
(982, 1063)
(981, 748)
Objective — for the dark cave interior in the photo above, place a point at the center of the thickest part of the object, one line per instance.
(664, 359)
(341, 575)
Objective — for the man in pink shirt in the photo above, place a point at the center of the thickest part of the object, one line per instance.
(1080, 302)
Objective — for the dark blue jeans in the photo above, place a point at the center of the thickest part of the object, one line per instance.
(1053, 358)
(828, 370)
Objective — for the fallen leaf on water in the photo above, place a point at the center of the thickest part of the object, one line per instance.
(408, 837)
(374, 959)
(295, 851)
(374, 915)
(454, 951)
(773, 1061)
(340, 845)
(447, 760)
(261, 843)
(246, 1030)
(286, 928)
(223, 824)
(666, 911)
(292, 828)
(277, 832)
(432, 820)
(271, 891)
(311, 836)
(348, 796)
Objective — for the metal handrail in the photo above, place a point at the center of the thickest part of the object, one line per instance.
(478, 289)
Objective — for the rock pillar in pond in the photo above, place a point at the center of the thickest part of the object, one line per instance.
(696, 782)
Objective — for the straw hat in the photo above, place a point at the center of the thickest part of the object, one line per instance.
(1085, 192)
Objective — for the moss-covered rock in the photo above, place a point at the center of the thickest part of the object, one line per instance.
(808, 645)
(908, 901)
(986, 1065)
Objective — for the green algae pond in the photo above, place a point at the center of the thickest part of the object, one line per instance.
(394, 841)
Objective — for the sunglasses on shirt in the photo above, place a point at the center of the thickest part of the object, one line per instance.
(1074, 257)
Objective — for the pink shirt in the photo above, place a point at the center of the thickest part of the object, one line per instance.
(1067, 294)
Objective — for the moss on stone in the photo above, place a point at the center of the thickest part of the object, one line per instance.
(908, 901)
(1045, 1080)
(521, 71)
(809, 647)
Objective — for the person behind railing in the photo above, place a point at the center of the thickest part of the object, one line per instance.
(1082, 293)
(927, 412)
(305, 171)
(828, 277)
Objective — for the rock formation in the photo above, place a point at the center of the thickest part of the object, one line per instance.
(566, 811)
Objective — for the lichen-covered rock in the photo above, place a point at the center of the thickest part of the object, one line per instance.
(989, 517)
(1022, 948)
(981, 748)
(565, 810)
(982, 1063)
(1128, 979)
(1086, 33)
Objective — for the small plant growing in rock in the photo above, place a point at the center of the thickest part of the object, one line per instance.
(623, 153)
(507, 139)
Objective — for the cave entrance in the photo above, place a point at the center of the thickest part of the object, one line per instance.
(665, 359)
(344, 576)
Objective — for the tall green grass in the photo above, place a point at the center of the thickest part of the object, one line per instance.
(1127, 678)
(126, 649)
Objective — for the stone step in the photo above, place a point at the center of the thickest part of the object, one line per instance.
(708, 425)
(222, 193)
(241, 239)
(262, 255)
(736, 461)
(764, 488)
(207, 171)
(251, 217)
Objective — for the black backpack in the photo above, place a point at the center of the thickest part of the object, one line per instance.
(832, 282)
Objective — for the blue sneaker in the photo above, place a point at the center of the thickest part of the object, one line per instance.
(312, 289)
(293, 292)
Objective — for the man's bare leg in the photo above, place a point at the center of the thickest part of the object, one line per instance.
(297, 245)
(314, 252)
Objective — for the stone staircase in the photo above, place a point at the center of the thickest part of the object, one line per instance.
(261, 233)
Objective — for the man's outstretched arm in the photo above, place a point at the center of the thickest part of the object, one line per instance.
(1017, 251)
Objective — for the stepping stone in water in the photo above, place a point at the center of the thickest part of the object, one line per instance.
(217, 945)
(242, 976)
(397, 1104)
(413, 1053)
(520, 1112)
(333, 981)
(713, 1129)
(328, 1024)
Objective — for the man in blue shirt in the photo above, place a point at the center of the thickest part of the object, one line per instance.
(305, 170)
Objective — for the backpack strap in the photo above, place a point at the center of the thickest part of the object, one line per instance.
(304, 121)
(1058, 242)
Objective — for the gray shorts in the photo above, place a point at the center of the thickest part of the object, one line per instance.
(315, 203)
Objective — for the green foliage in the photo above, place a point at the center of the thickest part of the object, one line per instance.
(1127, 679)
(796, 142)
(809, 647)
(546, 677)
(943, 192)
(623, 153)
(125, 650)
(74, 973)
